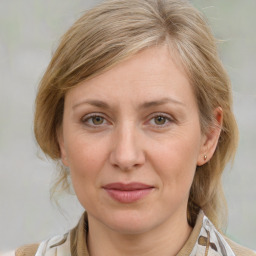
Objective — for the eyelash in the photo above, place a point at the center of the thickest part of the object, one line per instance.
(86, 119)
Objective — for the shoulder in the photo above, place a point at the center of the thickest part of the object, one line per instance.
(207, 240)
(49, 246)
(239, 250)
(70, 243)
(26, 250)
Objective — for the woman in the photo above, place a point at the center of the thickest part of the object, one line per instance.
(137, 106)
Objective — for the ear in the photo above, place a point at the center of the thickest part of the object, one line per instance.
(63, 153)
(210, 138)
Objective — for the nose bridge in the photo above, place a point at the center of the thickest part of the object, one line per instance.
(127, 151)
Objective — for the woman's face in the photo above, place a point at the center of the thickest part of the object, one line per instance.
(132, 140)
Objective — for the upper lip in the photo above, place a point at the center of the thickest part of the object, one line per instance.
(128, 186)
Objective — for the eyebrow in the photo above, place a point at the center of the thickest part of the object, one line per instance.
(160, 102)
(155, 103)
(96, 103)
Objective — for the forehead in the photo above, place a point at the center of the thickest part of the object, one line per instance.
(150, 74)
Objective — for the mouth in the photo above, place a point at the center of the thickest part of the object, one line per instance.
(128, 193)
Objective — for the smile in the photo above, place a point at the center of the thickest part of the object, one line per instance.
(127, 193)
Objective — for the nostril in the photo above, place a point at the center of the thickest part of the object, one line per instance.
(127, 162)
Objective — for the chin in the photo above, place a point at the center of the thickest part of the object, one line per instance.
(129, 222)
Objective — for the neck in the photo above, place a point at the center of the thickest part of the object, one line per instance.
(166, 239)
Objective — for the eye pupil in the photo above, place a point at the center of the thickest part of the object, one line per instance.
(97, 120)
(160, 120)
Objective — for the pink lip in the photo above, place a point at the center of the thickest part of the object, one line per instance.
(128, 193)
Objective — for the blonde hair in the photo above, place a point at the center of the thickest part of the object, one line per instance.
(116, 30)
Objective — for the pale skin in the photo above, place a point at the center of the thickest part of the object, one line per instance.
(137, 122)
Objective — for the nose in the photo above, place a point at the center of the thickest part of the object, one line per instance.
(127, 152)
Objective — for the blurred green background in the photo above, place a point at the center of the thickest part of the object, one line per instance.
(29, 33)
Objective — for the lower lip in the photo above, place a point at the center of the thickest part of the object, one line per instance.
(129, 196)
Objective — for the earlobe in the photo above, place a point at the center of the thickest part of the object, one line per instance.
(63, 154)
(211, 138)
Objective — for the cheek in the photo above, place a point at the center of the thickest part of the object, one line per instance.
(86, 160)
(176, 159)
